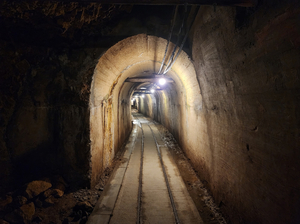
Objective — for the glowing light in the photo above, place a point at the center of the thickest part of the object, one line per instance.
(143, 95)
(152, 90)
(162, 81)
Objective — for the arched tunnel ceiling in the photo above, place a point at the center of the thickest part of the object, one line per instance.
(132, 57)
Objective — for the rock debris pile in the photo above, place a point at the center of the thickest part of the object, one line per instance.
(48, 201)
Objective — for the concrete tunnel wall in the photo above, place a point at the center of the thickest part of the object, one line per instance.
(110, 119)
(248, 70)
(245, 141)
(168, 108)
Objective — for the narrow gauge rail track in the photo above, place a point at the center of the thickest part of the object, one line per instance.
(146, 187)
(139, 209)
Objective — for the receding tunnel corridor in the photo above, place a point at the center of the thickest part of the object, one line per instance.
(127, 111)
(147, 186)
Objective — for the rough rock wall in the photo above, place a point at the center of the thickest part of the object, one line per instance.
(247, 63)
(48, 55)
(44, 112)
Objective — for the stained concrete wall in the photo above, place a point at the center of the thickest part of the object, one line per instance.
(247, 64)
(244, 141)
(165, 107)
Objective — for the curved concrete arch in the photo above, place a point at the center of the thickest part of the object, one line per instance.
(110, 119)
(130, 53)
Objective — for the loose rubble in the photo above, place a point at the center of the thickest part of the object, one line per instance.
(206, 206)
(50, 200)
(34, 188)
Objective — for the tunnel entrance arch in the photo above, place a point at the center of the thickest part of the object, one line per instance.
(110, 124)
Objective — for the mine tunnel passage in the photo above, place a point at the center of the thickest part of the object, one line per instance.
(233, 103)
(176, 105)
(128, 73)
(147, 186)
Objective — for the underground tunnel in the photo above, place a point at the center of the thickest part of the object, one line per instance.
(85, 120)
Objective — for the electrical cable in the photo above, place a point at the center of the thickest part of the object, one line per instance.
(178, 36)
(169, 39)
(181, 46)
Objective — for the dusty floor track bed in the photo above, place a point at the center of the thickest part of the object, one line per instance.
(154, 183)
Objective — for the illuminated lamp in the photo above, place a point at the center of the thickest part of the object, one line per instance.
(162, 81)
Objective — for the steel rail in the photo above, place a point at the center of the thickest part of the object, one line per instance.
(139, 213)
(166, 179)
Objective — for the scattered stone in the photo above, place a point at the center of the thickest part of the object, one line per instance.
(83, 220)
(60, 186)
(37, 219)
(57, 193)
(23, 214)
(101, 189)
(15, 217)
(4, 202)
(53, 192)
(85, 206)
(77, 216)
(38, 203)
(85, 213)
(3, 221)
(48, 193)
(49, 201)
(20, 200)
(36, 187)
(28, 212)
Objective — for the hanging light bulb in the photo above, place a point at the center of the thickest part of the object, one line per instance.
(162, 81)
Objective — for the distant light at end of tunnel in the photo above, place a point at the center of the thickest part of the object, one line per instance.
(152, 90)
(162, 81)
(143, 95)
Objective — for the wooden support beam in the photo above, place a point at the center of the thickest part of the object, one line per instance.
(242, 3)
